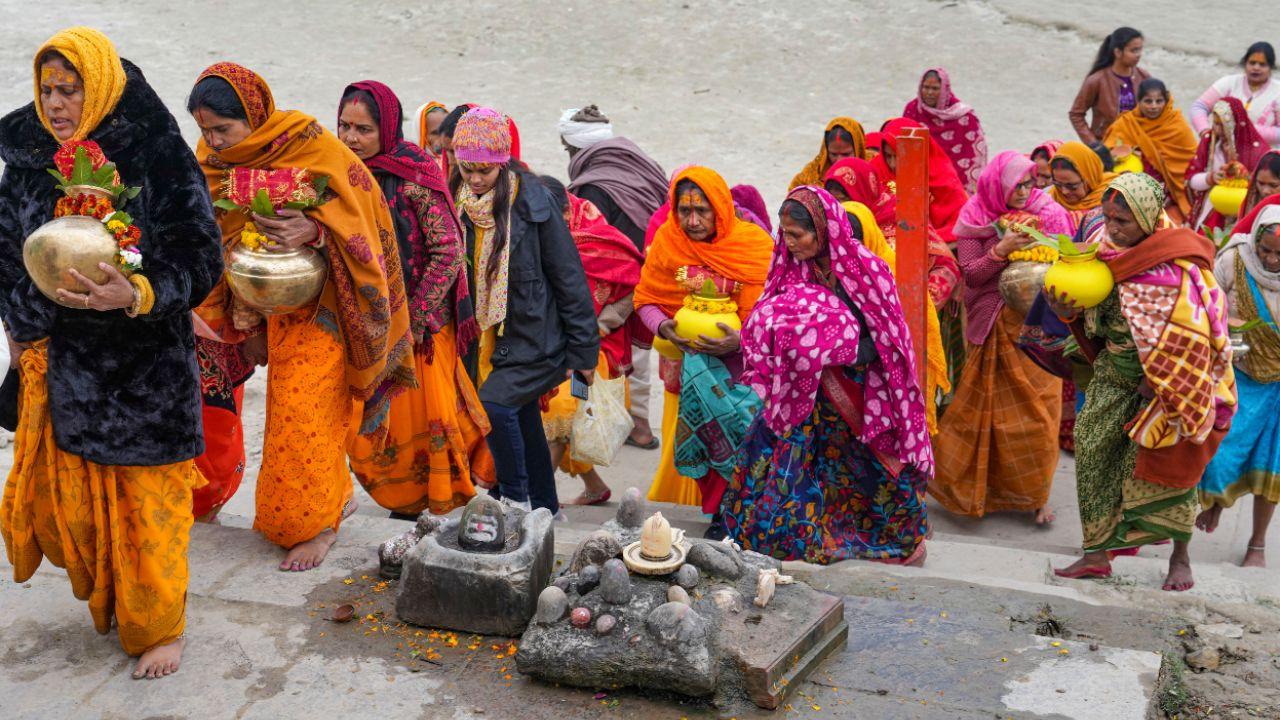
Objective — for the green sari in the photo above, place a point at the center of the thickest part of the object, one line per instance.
(1116, 509)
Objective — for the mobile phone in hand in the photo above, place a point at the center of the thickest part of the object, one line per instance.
(578, 386)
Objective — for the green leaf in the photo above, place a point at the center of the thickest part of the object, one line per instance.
(82, 169)
(62, 179)
(122, 216)
(226, 204)
(262, 204)
(321, 184)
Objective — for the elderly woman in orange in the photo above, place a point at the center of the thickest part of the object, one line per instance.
(102, 473)
(352, 343)
(843, 138)
(701, 242)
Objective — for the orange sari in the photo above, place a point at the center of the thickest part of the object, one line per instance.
(121, 532)
(740, 252)
(353, 345)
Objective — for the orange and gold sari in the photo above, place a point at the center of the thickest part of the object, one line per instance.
(354, 344)
(120, 532)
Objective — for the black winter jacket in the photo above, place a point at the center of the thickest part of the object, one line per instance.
(122, 391)
(551, 319)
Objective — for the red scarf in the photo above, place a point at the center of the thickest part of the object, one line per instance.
(612, 264)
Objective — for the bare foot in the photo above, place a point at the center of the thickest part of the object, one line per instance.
(309, 554)
(1045, 515)
(1208, 519)
(1254, 556)
(160, 661)
(1092, 565)
(1179, 578)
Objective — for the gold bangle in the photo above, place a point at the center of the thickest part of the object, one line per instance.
(144, 296)
(132, 310)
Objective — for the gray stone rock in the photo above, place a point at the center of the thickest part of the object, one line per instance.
(444, 586)
(598, 547)
(427, 524)
(675, 593)
(588, 579)
(615, 583)
(687, 576)
(728, 600)
(552, 604)
(605, 624)
(677, 625)
(714, 558)
(564, 582)
(631, 512)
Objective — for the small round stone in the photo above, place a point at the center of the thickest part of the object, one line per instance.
(615, 583)
(564, 582)
(552, 604)
(588, 579)
(687, 576)
(605, 624)
(675, 593)
(580, 617)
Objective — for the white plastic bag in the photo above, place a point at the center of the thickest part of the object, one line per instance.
(602, 423)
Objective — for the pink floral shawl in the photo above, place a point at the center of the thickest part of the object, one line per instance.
(799, 328)
(956, 128)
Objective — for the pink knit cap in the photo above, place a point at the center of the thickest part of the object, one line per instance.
(482, 136)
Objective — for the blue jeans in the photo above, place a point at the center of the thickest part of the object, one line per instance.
(521, 456)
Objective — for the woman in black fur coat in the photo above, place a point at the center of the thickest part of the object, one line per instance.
(110, 409)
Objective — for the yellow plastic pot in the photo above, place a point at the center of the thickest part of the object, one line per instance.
(1085, 279)
(1228, 195)
(1130, 163)
(666, 348)
(701, 316)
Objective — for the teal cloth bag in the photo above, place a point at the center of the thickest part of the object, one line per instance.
(714, 417)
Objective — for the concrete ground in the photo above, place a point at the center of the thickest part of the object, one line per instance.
(744, 86)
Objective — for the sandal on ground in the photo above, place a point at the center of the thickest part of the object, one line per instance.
(1096, 571)
(587, 498)
(651, 445)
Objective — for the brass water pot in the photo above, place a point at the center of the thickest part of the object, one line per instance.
(74, 241)
(276, 283)
(1020, 284)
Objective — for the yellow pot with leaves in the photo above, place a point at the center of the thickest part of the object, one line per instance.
(1131, 163)
(1228, 195)
(1081, 277)
(702, 314)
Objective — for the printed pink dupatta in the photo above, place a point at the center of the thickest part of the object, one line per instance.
(800, 328)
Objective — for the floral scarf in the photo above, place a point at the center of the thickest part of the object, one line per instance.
(955, 126)
(800, 328)
(363, 304)
(400, 162)
(491, 293)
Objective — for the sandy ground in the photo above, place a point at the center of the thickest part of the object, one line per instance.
(744, 86)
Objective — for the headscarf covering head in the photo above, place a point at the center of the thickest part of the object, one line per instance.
(1145, 197)
(1089, 167)
(813, 171)
(995, 185)
(859, 180)
(395, 154)
(94, 58)
(483, 135)
(423, 111)
(253, 91)
(584, 127)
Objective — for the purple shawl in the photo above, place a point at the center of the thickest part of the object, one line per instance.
(799, 328)
(619, 168)
(748, 199)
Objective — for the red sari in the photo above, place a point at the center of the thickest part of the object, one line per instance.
(612, 264)
(1244, 145)
(946, 190)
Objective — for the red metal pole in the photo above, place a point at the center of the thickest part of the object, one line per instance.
(912, 269)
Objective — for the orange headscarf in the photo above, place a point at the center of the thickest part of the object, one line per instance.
(817, 167)
(363, 302)
(1168, 143)
(422, 122)
(740, 251)
(1092, 172)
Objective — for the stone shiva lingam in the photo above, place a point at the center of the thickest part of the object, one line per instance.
(659, 551)
(480, 573)
(697, 618)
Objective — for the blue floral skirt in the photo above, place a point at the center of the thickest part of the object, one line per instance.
(820, 495)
